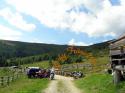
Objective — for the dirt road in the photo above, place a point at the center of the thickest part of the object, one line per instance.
(62, 84)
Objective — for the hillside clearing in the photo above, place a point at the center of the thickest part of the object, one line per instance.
(41, 64)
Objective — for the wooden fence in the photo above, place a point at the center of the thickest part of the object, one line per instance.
(63, 73)
(6, 80)
(83, 66)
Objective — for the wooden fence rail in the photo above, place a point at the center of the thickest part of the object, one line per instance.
(6, 80)
(63, 73)
(81, 66)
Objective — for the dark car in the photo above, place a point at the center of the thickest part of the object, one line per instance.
(32, 72)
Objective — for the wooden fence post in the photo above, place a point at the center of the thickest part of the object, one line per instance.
(63, 73)
(8, 80)
(77, 66)
(2, 81)
(17, 76)
(12, 78)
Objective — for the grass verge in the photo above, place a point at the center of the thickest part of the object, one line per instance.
(99, 83)
(25, 85)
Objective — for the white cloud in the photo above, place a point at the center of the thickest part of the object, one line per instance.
(102, 18)
(73, 42)
(36, 40)
(16, 19)
(9, 34)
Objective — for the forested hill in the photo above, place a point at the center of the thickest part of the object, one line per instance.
(22, 49)
(14, 49)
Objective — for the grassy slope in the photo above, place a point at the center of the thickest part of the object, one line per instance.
(25, 85)
(42, 64)
(99, 83)
(6, 72)
(103, 60)
(99, 61)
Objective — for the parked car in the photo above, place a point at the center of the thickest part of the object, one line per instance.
(32, 72)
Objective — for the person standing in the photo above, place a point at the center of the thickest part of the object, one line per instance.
(52, 73)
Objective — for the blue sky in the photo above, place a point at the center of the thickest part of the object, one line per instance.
(73, 22)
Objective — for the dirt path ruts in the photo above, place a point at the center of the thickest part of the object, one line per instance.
(62, 84)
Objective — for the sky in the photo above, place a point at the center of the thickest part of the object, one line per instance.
(72, 22)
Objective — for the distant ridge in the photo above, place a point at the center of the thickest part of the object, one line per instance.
(10, 49)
